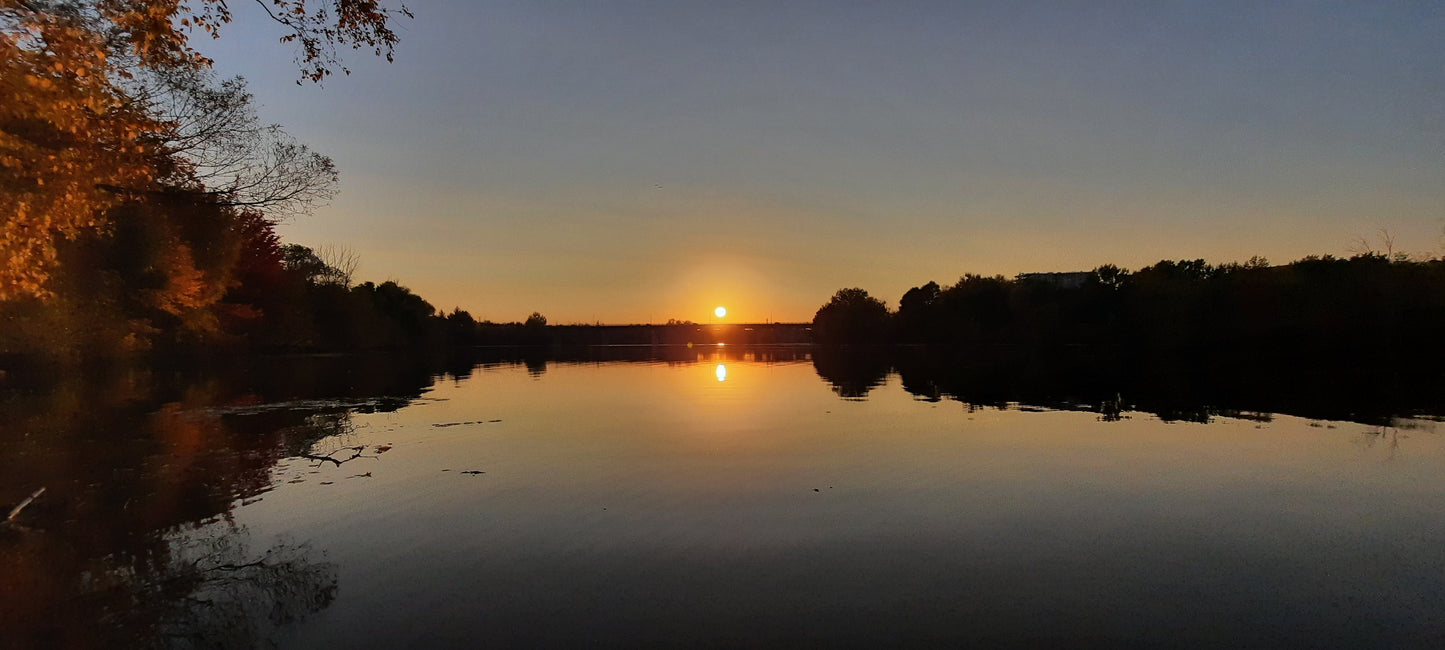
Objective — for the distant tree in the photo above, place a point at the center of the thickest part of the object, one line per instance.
(1109, 276)
(1386, 248)
(461, 327)
(916, 313)
(919, 298)
(852, 316)
(461, 317)
(304, 263)
(1257, 263)
(534, 330)
(341, 263)
(978, 308)
(410, 312)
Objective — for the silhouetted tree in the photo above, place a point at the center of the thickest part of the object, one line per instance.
(916, 315)
(461, 327)
(304, 263)
(976, 309)
(851, 316)
(410, 316)
(535, 330)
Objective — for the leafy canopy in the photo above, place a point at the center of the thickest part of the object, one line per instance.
(79, 134)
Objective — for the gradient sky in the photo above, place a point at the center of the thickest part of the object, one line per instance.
(639, 161)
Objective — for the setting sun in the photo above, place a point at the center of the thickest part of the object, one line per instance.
(720, 311)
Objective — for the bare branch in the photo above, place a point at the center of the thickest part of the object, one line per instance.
(14, 512)
(341, 264)
(1360, 246)
(214, 140)
(1387, 240)
(331, 458)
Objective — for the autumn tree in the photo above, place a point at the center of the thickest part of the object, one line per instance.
(71, 144)
(78, 137)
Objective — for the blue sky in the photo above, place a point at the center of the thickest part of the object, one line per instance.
(635, 161)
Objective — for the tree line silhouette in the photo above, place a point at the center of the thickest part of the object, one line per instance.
(1366, 304)
(1322, 329)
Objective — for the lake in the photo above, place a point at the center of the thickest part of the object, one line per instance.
(707, 496)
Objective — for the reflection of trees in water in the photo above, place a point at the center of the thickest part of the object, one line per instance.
(141, 467)
(196, 587)
(206, 587)
(131, 544)
(1110, 382)
(1112, 410)
(536, 364)
(223, 595)
(1389, 434)
(322, 434)
(852, 372)
(1391, 437)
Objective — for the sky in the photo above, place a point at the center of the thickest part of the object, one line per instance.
(630, 162)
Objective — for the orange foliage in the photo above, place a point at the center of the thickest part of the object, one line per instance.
(70, 144)
(73, 145)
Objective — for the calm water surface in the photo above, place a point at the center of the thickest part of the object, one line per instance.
(723, 498)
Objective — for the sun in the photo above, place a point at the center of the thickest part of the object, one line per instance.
(720, 311)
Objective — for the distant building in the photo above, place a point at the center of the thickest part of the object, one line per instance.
(1070, 280)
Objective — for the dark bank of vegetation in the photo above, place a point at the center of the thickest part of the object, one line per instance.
(126, 292)
(1320, 331)
(1367, 304)
(116, 295)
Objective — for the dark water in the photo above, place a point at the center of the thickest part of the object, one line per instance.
(711, 497)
